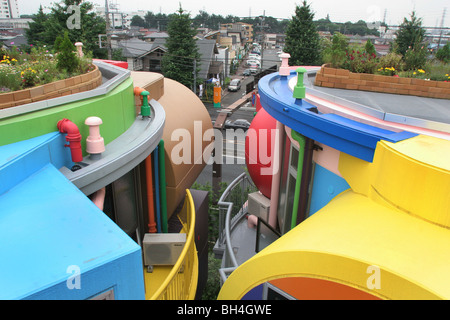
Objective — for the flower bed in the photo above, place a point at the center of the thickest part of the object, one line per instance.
(81, 83)
(344, 79)
(27, 77)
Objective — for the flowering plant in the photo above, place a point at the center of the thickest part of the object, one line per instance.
(387, 71)
(359, 60)
(29, 77)
(20, 70)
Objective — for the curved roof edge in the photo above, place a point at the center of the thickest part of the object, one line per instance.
(344, 134)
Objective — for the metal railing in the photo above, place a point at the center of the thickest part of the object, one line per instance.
(232, 208)
(181, 283)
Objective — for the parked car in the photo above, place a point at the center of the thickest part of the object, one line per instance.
(253, 56)
(237, 124)
(250, 62)
(254, 69)
(247, 72)
(235, 85)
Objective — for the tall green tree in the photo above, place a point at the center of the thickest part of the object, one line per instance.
(178, 62)
(81, 24)
(302, 38)
(410, 35)
(37, 28)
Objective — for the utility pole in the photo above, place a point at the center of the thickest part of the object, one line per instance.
(442, 27)
(195, 76)
(108, 30)
(262, 26)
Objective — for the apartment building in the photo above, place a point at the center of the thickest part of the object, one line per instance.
(9, 9)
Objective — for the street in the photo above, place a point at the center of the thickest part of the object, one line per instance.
(234, 148)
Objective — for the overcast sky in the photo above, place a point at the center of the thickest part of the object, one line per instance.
(431, 11)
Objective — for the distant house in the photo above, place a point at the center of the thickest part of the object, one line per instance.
(210, 66)
(152, 36)
(11, 41)
(142, 55)
(243, 32)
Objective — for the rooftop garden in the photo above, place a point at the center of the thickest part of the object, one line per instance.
(416, 61)
(409, 56)
(22, 70)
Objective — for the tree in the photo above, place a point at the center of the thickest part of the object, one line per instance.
(410, 35)
(335, 51)
(182, 51)
(36, 28)
(67, 58)
(443, 54)
(302, 38)
(56, 23)
(138, 21)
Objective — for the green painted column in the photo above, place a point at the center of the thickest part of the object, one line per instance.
(162, 185)
(301, 152)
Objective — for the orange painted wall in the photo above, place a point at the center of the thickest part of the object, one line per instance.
(319, 289)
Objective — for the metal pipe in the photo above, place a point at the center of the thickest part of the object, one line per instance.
(162, 179)
(150, 200)
(157, 186)
(301, 152)
(73, 137)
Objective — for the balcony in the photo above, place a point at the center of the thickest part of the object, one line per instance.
(177, 282)
(238, 241)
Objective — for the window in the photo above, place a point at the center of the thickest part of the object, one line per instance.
(265, 235)
(288, 181)
(108, 295)
(270, 292)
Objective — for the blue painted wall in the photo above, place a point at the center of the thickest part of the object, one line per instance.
(326, 186)
(48, 227)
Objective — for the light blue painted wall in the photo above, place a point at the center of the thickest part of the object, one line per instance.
(326, 186)
(48, 225)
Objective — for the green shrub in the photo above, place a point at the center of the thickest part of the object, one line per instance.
(67, 58)
(370, 48)
(415, 58)
(334, 51)
(10, 79)
(391, 60)
(443, 54)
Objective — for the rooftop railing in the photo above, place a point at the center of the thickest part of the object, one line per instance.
(181, 282)
(232, 208)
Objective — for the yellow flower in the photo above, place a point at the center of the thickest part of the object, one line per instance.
(421, 71)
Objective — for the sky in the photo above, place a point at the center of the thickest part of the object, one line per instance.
(431, 11)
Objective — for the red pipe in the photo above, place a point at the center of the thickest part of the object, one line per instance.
(73, 137)
(151, 209)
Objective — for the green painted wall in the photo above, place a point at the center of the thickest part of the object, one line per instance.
(116, 109)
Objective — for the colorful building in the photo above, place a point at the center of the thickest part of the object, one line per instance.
(351, 205)
(91, 204)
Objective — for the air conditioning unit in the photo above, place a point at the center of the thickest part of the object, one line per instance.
(259, 205)
(163, 248)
